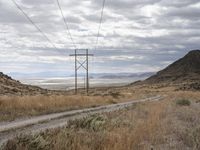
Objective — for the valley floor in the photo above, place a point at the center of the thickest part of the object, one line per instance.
(16, 107)
(169, 124)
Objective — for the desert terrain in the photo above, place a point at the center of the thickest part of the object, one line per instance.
(170, 123)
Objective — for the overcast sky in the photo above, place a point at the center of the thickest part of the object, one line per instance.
(136, 35)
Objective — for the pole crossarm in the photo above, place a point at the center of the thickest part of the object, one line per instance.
(81, 55)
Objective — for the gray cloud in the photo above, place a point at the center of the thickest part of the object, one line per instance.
(135, 35)
(178, 3)
(188, 13)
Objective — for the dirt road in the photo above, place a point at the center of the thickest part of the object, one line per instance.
(34, 125)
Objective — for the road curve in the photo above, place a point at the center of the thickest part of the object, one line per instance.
(33, 125)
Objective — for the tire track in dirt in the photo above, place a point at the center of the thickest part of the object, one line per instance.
(9, 130)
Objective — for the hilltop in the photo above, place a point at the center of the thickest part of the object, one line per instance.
(184, 71)
(11, 86)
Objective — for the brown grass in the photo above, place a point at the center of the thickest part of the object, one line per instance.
(157, 125)
(14, 107)
(129, 129)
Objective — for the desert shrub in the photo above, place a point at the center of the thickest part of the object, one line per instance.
(38, 143)
(197, 101)
(191, 138)
(10, 145)
(115, 94)
(94, 123)
(183, 102)
(196, 138)
(31, 142)
(112, 101)
(15, 90)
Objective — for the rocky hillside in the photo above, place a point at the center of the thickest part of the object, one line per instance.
(10, 86)
(184, 71)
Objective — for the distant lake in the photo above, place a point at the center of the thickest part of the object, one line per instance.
(68, 82)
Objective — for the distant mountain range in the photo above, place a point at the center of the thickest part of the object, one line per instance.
(185, 71)
(126, 75)
(49, 74)
(21, 76)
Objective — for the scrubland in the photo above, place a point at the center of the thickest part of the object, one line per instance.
(15, 107)
(26, 106)
(170, 124)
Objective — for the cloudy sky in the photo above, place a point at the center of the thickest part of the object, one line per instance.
(136, 35)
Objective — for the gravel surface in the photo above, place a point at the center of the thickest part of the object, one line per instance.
(9, 130)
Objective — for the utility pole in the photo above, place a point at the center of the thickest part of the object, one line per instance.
(75, 71)
(87, 72)
(78, 64)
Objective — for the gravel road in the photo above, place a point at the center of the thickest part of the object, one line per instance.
(9, 130)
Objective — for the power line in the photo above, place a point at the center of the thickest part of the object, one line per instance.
(66, 24)
(100, 23)
(29, 19)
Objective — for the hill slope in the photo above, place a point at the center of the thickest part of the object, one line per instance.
(184, 70)
(10, 86)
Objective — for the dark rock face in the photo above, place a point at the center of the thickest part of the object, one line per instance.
(186, 69)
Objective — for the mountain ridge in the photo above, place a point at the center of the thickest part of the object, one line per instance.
(11, 86)
(184, 71)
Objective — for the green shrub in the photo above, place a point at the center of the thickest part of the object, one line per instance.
(183, 102)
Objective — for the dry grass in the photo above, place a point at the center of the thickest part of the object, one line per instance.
(132, 128)
(14, 107)
(158, 125)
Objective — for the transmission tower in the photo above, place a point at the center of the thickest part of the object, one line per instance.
(84, 64)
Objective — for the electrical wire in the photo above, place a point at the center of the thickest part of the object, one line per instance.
(100, 23)
(35, 25)
(66, 24)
